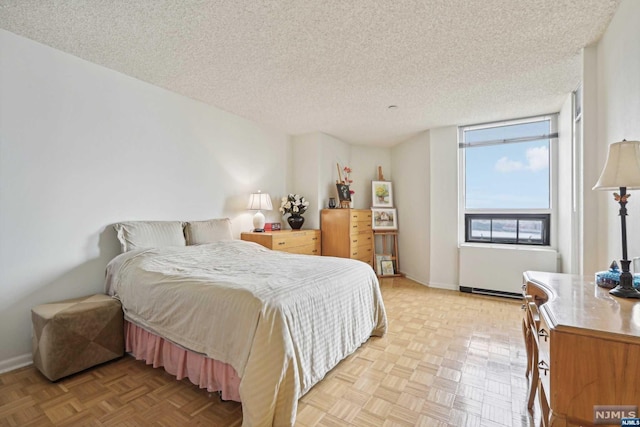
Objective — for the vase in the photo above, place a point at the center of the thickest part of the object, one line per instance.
(295, 222)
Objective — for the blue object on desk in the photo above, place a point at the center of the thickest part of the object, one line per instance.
(611, 278)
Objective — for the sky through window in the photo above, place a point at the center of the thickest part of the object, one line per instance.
(511, 175)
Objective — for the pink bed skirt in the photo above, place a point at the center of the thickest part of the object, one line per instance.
(201, 370)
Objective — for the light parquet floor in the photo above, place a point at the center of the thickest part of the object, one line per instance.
(448, 359)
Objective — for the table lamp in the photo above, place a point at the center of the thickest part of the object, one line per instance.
(622, 171)
(259, 202)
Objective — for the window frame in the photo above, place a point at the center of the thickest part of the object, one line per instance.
(517, 214)
(544, 217)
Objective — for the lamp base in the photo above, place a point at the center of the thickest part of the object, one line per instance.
(625, 289)
(258, 222)
(619, 291)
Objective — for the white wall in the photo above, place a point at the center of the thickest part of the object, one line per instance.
(411, 189)
(83, 147)
(314, 171)
(443, 178)
(618, 115)
(364, 162)
(306, 166)
(564, 232)
(332, 151)
(593, 248)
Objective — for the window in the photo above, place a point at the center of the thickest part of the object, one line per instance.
(523, 229)
(507, 194)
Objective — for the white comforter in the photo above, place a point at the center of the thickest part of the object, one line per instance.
(281, 320)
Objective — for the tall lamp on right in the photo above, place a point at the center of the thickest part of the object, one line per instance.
(622, 171)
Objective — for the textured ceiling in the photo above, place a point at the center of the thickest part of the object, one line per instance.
(334, 66)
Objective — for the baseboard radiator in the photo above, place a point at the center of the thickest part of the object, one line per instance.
(497, 270)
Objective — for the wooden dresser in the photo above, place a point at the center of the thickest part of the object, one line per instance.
(346, 233)
(306, 242)
(586, 344)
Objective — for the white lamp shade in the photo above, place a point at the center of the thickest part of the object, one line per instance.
(260, 201)
(622, 168)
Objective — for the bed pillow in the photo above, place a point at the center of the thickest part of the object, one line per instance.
(213, 230)
(150, 234)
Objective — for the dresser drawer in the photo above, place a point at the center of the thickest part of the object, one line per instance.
(361, 239)
(362, 252)
(308, 249)
(306, 242)
(360, 227)
(360, 216)
(282, 242)
(364, 226)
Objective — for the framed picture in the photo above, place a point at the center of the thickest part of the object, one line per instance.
(379, 259)
(387, 267)
(384, 219)
(381, 194)
(343, 192)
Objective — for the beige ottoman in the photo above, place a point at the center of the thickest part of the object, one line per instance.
(73, 335)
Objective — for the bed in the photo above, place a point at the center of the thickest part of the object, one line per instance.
(281, 321)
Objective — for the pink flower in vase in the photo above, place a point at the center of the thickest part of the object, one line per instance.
(347, 178)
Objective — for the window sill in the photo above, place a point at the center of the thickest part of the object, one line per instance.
(514, 247)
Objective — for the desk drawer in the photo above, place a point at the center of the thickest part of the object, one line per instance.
(544, 355)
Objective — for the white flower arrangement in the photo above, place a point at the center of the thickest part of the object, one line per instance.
(293, 204)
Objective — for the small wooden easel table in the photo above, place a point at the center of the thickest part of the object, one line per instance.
(389, 243)
(389, 249)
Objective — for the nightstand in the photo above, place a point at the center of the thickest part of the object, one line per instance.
(305, 242)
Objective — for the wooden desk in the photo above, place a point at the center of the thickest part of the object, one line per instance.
(589, 346)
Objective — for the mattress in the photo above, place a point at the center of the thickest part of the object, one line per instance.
(281, 320)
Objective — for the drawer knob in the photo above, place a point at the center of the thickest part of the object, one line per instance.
(315, 238)
(543, 367)
(544, 334)
(281, 243)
